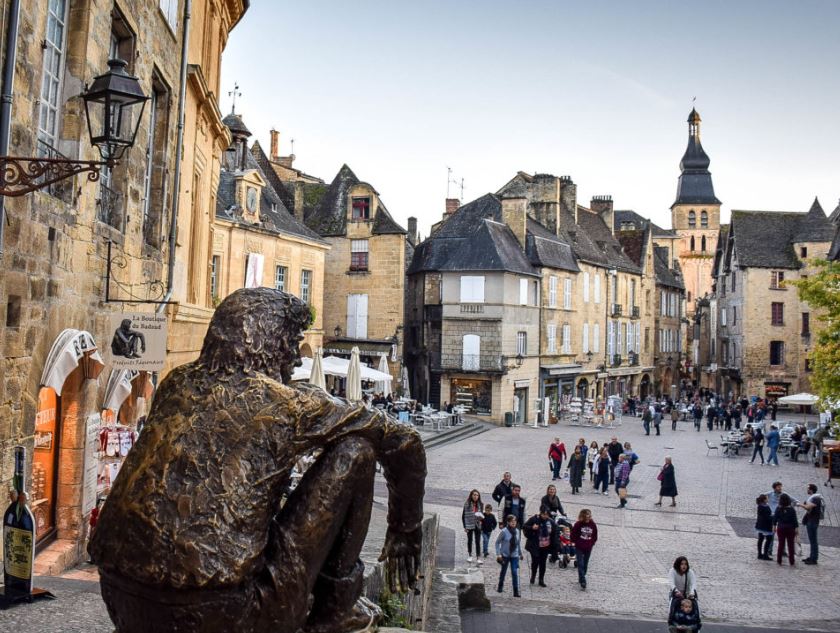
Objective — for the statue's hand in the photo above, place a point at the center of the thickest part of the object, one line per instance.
(402, 555)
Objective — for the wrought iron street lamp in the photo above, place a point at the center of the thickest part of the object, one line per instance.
(337, 331)
(114, 106)
(519, 360)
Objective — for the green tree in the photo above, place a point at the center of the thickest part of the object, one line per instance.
(822, 292)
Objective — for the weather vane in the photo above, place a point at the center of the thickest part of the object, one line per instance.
(234, 93)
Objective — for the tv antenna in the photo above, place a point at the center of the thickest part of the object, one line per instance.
(453, 181)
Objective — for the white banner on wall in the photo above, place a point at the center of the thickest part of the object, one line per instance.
(254, 270)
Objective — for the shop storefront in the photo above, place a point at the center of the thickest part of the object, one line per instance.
(557, 383)
(475, 394)
(775, 390)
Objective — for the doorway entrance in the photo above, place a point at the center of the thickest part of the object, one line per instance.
(520, 405)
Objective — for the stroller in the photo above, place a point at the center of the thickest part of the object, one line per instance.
(562, 552)
(682, 621)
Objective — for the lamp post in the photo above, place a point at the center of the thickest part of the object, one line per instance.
(114, 106)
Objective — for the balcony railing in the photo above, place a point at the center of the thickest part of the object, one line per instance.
(63, 189)
(616, 310)
(636, 312)
(109, 207)
(616, 360)
(471, 362)
(472, 308)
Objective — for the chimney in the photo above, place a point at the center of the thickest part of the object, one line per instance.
(452, 205)
(275, 144)
(568, 196)
(603, 206)
(515, 214)
(412, 230)
(545, 200)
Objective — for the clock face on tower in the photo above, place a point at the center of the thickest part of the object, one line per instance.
(251, 199)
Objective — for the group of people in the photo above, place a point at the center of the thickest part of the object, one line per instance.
(776, 516)
(548, 534)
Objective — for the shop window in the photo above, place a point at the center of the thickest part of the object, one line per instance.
(281, 273)
(215, 270)
(476, 395)
(358, 255)
(305, 285)
(361, 208)
(777, 279)
(777, 353)
(472, 289)
(777, 313)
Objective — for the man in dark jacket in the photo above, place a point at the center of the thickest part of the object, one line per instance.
(514, 504)
(614, 448)
(539, 532)
(503, 489)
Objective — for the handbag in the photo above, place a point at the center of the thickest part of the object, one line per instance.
(660, 476)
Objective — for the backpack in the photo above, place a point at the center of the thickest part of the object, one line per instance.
(818, 511)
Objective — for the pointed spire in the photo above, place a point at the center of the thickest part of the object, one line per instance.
(695, 183)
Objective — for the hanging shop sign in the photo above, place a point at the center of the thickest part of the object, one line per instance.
(138, 341)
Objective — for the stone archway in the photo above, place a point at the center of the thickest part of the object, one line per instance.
(306, 351)
(644, 387)
(582, 390)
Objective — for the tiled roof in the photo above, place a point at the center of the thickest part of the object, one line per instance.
(640, 222)
(834, 251)
(274, 215)
(764, 239)
(633, 243)
(472, 239)
(546, 249)
(329, 217)
(665, 275)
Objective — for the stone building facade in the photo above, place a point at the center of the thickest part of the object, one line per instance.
(55, 374)
(762, 328)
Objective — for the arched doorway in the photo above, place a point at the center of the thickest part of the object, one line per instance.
(644, 387)
(306, 351)
(582, 389)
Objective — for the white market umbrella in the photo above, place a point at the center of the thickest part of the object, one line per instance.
(316, 376)
(354, 377)
(802, 400)
(383, 386)
(303, 372)
(406, 389)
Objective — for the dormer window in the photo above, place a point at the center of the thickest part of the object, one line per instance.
(361, 208)
(251, 199)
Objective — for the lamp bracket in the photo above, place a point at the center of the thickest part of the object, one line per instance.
(20, 175)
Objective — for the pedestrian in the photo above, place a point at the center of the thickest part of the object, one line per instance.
(539, 532)
(647, 416)
(556, 456)
(577, 464)
(591, 454)
(787, 528)
(675, 417)
(686, 618)
(471, 519)
(758, 444)
(668, 482)
(551, 501)
(584, 536)
(515, 504)
(615, 449)
(814, 510)
(508, 553)
(502, 489)
(736, 416)
(773, 441)
(764, 527)
(682, 580)
(631, 406)
(488, 524)
(657, 418)
(632, 458)
(698, 415)
(603, 468)
(583, 447)
(622, 478)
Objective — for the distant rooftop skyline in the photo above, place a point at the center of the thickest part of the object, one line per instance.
(600, 92)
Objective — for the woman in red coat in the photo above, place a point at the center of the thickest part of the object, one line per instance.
(584, 536)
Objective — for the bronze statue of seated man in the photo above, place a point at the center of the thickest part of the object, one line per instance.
(193, 537)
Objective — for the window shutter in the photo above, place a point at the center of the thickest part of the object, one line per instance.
(361, 316)
(596, 338)
(523, 292)
(567, 293)
(585, 345)
(586, 287)
(610, 337)
(597, 288)
(552, 292)
(630, 338)
(567, 338)
(638, 347)
(351, 316)
(552, 338)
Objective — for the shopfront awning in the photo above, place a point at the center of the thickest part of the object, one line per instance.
(563, 369)
(366, 347)
(118, 388)
(66, 353)
(334, 366)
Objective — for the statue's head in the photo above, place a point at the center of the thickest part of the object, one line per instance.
(256, 330)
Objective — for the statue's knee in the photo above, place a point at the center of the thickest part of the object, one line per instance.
(356, 449)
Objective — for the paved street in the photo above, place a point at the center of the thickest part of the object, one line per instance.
(711, 525)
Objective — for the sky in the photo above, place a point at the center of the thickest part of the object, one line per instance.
(597, 90)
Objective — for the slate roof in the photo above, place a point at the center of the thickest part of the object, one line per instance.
(834, 251)
(695, 183)
(473, 239)
(640, 222)
(593, 242)
(765, 239)
(280, 189)
(665, 275)
(834, 218)
(329, 217)
(236, 125)
(274, 215)
(634, 245)
(544, 248)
